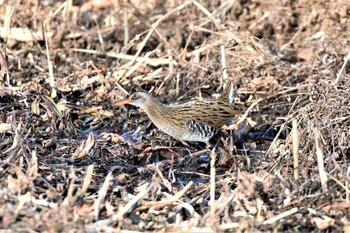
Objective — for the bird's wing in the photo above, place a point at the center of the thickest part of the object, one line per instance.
(212, 113)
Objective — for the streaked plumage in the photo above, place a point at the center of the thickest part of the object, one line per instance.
(191, 121)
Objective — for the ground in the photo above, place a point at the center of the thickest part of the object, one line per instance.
(72, 161)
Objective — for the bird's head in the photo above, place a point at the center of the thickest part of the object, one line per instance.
(138, 99)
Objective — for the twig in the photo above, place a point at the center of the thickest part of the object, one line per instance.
(177, 84)
(87, 179)
(154, 25)
(138, 64)
(126, 24)
(101, 195)
(220, 206)
(320, 163)
(24, 34)
(198, 153)
(347, 184)
(281, 216)
(32, 171)
(312, 211)
(245, 115)
(10, 8)
(126, 208)
(15, 141)
(212, 184)
(149, 61)
(121, 88)
(334, 206)
(166, 182)
(45, 203)
(223, 66)
(100, 37)
(49, 63)
(205, 11)
(282, 127)
(295, 149)
(203, 48)
(69, 197)
(340, 73)
(86, 184)
(4, 68)
(229, 226)
(171, 199)
(347, 190)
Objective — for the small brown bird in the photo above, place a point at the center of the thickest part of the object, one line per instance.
(191, 121)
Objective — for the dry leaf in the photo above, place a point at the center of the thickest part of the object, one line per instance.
(85, 147)
(5, 127)
(346, 222)
(168, 153)
(6, 91)
(306, 53)
(321, 223)
(84, 210)
(263, 82)
(95, 5)
(35, 107)
(3, 65)
(114, 137)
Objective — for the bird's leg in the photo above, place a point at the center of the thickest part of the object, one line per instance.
(197, 145)
(208, 145)
(215, 139)
(214, 146)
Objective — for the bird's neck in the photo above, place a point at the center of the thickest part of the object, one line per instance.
(157, 110)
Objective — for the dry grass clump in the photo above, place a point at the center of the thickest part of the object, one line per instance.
(69, 161)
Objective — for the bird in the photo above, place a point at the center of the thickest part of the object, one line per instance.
(190, 121)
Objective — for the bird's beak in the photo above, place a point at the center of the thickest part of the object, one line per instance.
(127, 101)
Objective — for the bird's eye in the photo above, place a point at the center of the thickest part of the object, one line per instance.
(133, 97)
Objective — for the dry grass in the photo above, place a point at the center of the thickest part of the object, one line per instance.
(70, 161)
